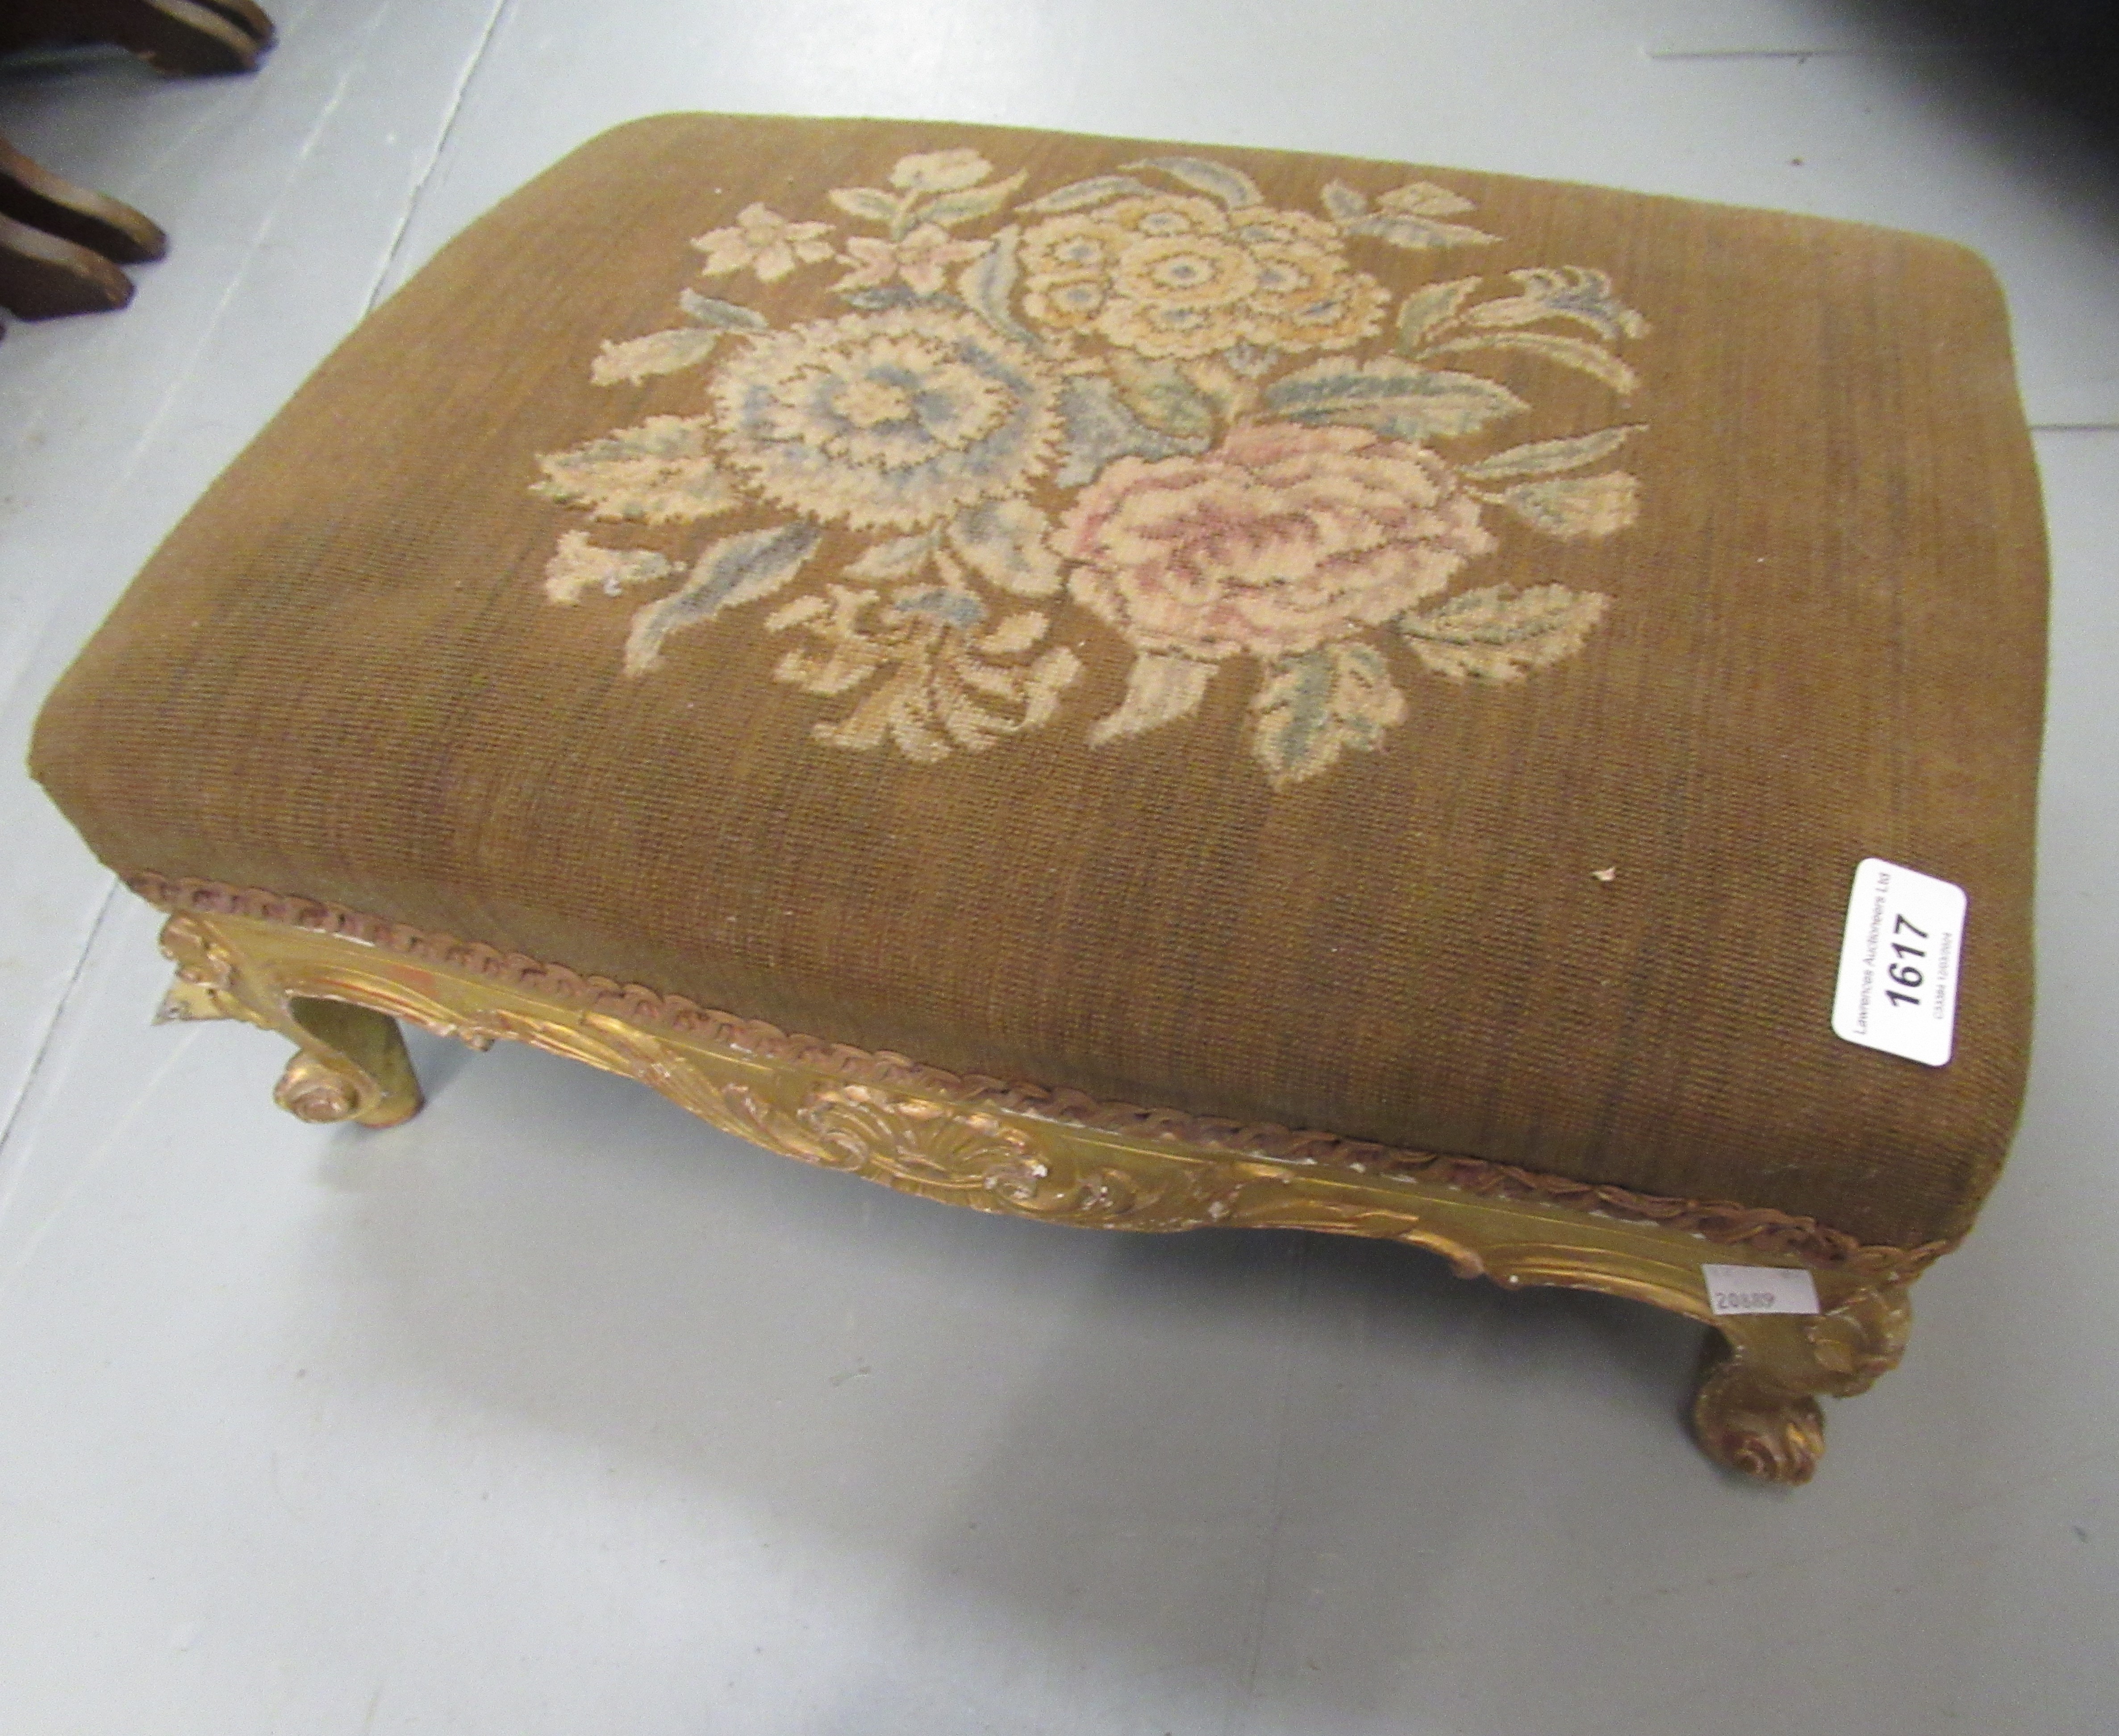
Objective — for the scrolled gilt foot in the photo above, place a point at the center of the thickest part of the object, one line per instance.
(312, 1089)
(352, 1067)
(351, 1064)
(1756, 1410)
(1752, 1426)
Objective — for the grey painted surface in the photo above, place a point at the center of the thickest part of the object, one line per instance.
(555, 1412)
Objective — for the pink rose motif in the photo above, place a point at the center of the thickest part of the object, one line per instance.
(1280, 539)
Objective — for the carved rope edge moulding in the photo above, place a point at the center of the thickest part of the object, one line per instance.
(1758, 1229)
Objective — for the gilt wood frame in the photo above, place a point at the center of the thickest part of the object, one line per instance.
(336, 995)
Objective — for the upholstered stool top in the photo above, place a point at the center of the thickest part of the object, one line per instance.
(1406, 654)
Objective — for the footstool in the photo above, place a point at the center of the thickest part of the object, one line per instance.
(1148, 686)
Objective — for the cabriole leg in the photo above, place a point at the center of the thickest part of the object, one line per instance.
(351, 1064)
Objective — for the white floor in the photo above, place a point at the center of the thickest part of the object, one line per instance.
(553, 1412)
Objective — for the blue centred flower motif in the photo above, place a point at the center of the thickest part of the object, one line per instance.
(897, 419)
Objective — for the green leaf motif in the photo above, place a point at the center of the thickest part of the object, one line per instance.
(1577, 507)
(953, 208)
(722, 316)
(1416, 232)
(1099, 429)
(960, 609)
(1544, 457)
(877, 297)
(900, 558)
(1575, 292)
(1496, 635)
(1015, 635)
(1583, 357)
(1426, 307)
(1232, 186)
(578, 565)
(871, 204)
(737, 569)
(655, 472)
(988, 282)
(1394, 396)
(940, 171)
(1003, 541)
(1094, 191)
(1159, 394)
(1312, 708)
(1424, 199)
(1161, 688)
(629, 362)
(1342, 203)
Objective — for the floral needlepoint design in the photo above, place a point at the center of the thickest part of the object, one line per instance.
(901, 418)
(1279, 540)
(1169, 276)
(1202, 433)
(923, 259)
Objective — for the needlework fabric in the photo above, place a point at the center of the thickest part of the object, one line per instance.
(1400, 651)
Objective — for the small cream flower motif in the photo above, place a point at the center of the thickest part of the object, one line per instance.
(940, 171)
(765, 241)
(923, 259)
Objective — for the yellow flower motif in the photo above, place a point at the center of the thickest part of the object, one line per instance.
(766, 242)
(1172, 275)
(923, 259)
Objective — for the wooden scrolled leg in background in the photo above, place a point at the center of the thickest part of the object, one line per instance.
(42, 275)
(180, 37)
(32, 194)
(61, 244)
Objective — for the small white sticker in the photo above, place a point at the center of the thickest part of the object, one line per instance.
(1759, 1290)
(1897, 962)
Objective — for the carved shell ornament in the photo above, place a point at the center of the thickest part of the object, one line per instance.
(1144, 416)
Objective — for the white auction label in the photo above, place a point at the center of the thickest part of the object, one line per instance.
(1759, 1290)
(1898, 961)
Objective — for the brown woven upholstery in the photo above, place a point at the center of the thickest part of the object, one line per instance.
(1407, 653)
